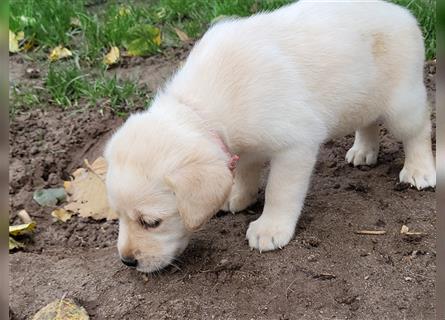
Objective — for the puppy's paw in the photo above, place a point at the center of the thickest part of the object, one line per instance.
(362, 155)
(418, 177)
(265, 234)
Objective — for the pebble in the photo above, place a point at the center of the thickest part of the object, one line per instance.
(312, 258)
(53, 179)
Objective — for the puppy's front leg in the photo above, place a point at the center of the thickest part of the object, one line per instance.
(286, 189)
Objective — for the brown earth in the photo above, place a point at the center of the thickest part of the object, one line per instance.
(326, 272)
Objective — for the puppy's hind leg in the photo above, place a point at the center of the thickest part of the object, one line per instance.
(365, 149)
(412, 125)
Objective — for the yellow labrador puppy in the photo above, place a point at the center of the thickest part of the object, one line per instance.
(272, 87)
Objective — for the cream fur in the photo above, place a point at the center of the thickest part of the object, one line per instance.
(274, 87)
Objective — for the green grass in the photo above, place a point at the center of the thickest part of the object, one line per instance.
(22, 98)
(89, 30)
(48, 23)
(425, 12)
(67, 84)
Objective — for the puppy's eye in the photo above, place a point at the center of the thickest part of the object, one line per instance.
(149, 225)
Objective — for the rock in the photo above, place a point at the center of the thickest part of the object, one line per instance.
(49, 197)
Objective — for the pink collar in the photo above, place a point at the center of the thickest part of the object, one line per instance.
(233, 158)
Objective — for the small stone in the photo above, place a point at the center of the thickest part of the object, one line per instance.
(49, 197)
(408, 279)
(312, 258)
(366, 277)
(53, 179)
(224, 261)
(33, 151)
(32, 73)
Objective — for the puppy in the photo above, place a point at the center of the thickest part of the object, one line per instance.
(272, 87)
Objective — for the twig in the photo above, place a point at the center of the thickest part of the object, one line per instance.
(370, 232)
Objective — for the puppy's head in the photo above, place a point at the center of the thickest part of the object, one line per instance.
(165, 182)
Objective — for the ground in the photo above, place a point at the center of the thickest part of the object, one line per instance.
(326, 272)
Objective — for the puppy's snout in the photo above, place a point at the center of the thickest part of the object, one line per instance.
(129, 262)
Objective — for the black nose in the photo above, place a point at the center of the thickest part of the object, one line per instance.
(129, 261)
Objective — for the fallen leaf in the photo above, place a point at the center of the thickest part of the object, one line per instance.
(14, 244)
(64, 308)
(143, 40)
(112, 57)
(182, 35)
(21, 229)
(59, 52)
(14, 41)
(87, 193)
(49, 197)
(75, 22)
(124, 11)
(61, 214)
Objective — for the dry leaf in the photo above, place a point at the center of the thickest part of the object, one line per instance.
(20, 229)
(61, 214)
(14, 244)
(182, 35)
(157, 39)
(64, 308)
(59, 52)
(112, 57)
(87, 193)
(75, 22)
(14, 41)
(124, 11)
(143, 40)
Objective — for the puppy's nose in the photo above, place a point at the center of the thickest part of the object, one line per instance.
(129, 262)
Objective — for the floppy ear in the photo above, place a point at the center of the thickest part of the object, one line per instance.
(200, 190)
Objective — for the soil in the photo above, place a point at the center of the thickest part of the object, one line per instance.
(326, 272)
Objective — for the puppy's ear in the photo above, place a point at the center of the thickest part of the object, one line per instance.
(200, 190)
